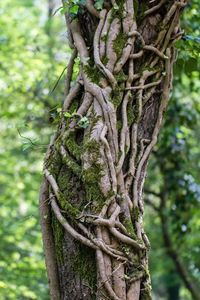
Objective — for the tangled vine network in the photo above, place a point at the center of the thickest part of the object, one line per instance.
(116, 108)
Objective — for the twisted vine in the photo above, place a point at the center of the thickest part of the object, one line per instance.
(122, 77)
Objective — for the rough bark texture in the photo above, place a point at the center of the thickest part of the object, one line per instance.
(95, 166)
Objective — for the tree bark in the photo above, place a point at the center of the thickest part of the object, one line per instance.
(95, 166)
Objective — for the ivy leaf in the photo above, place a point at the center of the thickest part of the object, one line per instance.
(63, 10)
(67, 114)
(59, 109)
(84, 122)
(74, 9)
(99, 4)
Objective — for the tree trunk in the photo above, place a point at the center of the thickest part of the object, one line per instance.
(174, 291)
(95, 166)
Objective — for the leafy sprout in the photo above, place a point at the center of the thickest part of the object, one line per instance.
(84, 122)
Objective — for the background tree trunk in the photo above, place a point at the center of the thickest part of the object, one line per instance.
(181, 268)
(173, 291)
(95, 166)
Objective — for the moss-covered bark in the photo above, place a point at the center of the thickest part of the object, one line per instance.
(96, 164)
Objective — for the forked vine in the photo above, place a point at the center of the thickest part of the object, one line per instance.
(114, 113)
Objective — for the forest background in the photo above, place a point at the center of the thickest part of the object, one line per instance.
(33, 58)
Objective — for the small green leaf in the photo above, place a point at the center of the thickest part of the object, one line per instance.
(84, 122)
(99, 4)
(59, 109)
(63, 10)
(74, 9)
(115, 6)
(67, 114)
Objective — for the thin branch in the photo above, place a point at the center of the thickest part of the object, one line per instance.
(48, 242)
(154, 8)
(68, 227)
(90, 7)
(70, 67)
(151, 204)
(57, 81)
(148, 191)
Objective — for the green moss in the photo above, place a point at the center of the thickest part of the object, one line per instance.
(84, 265)
(126, 249)
(136, 7)
(93, 72)
(73, 106)
(119, 43)
(133, 114)
(116, 96)
(72, 201)
(72, 211)
(72, 165)
(53, 163)
(130, 228)
(130, 113)
(135, 213)
(126, 149)
(147, 273)
(117, 93)
(58, 233)
(91, 176)
(146, 291)
(73, 147)
(119, 124)
(91, 146)
(72, 109)
(121, 77)
(93, 121)
(104, 60)
(104, 38)
(67, 193)
(142, 8)
(117, 10)
(64, 179)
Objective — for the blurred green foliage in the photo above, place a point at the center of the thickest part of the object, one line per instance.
(33, 54)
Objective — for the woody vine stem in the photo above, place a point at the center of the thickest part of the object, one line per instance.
(124, 83)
